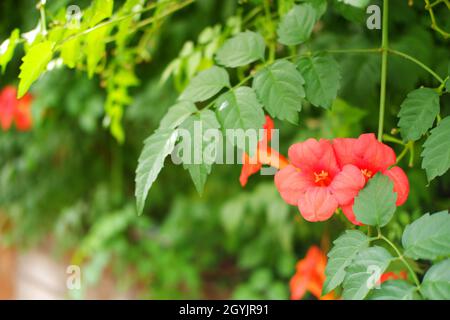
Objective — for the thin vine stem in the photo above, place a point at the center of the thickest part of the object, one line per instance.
(384, 61)
(416, 61)
(402, 259)
(271, 27)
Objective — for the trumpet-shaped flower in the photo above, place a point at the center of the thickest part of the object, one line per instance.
(264, 155)
(315, 182)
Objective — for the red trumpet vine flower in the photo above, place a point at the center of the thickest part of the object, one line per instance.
(370, 156)
(15, 110)
(310, 276)
(264, 155)
(314, 181)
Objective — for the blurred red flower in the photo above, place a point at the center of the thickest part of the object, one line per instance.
(310, 276)
(15, 110)
(393, 276)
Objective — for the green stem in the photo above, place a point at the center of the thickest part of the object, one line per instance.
(419, 63)
(384, 60)
(411, 154)
(272, 44)
(402, 259)
(392, 139)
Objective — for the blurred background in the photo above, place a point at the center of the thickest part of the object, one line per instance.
(67, 184)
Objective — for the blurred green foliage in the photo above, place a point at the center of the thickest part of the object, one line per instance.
(68, 178)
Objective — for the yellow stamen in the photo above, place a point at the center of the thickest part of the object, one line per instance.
(323, 175)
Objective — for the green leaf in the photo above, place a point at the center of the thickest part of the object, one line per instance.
(244, 48)
(322, 77)
(341, 255)
(296, 26)
(34, 63)
(353, 10)
(436, 283)
(157, 147)
(95, 48)
(177, 114)
(198, 164)
(428, 237)
(7, 49)
(436, 153)
(356, 3)
(364, 272)
(395, 290)
(280, 88)
(320, 6)
(417, 113)
(375, 204)
(70, 49)
(101, 9)
(240, 109)
(206, 84)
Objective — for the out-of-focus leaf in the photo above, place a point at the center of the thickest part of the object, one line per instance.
(34, 63)
(7, 49)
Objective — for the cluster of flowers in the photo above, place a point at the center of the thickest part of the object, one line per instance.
(15, 110)
(324, 175)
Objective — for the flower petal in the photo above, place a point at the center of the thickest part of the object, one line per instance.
(366, 152)
(249, 168)
(314, 156)
(401, 183)
(8, 105)
(317, 204)
(23, 116)
(347, 184)
(298, 285)
(348, 212)
(343, 149)
(291, 184)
